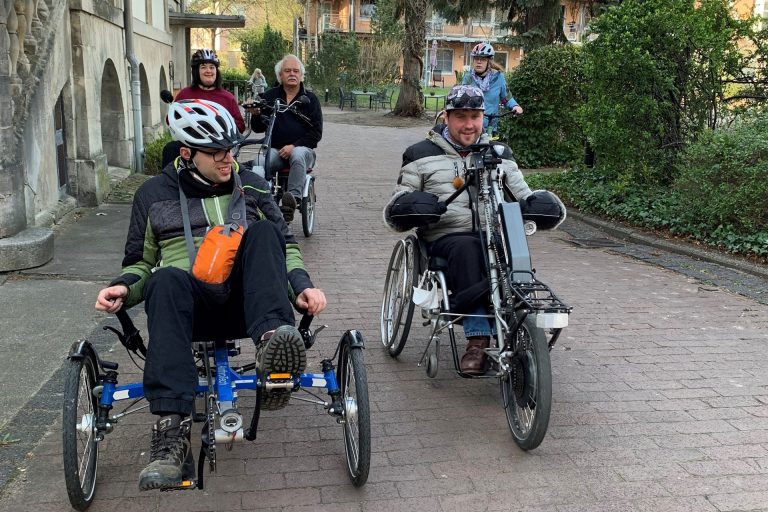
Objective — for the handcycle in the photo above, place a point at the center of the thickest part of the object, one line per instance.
(260, 165)
(527, 315)
(92, 391)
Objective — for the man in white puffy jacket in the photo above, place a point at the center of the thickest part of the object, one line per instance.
(431, 166)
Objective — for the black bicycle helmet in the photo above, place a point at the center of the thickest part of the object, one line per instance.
(204, 55)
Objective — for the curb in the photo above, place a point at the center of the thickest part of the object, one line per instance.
(624, 233)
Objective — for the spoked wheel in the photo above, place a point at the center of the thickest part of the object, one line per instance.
(81, 451)
(308, 210)
(526, 389)
(357, 415)
(397, 306)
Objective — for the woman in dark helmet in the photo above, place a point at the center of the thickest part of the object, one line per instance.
(206, 85)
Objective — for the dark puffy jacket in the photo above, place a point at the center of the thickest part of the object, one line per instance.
(289, 128)
(156, 232)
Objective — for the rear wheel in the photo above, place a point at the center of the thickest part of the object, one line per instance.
(357, 415)
(397, 306)
(81, 451)
(308, 210)
(526, 388)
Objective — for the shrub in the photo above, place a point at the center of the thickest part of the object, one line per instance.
(548, 85)
(657, 70)
(233, 75)
(718, 197)
(153, 153)
(262, 49)
(725, 175)
(335, 63)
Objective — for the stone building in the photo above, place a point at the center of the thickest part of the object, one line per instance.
(79, 93)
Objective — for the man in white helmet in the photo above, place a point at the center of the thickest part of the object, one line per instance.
(172, 213)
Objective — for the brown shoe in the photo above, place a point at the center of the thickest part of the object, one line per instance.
(473, 360)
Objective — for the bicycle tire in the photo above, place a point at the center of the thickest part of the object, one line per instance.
(308, 210)
(357, 414)
(78, 431)
(526, 390)
(397, 306)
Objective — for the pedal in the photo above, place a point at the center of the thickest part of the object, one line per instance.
(186, 485)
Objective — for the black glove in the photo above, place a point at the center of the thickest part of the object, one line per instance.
(416, 209)
(544, 208)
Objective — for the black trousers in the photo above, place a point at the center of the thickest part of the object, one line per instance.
(466, 277)
(181, 309)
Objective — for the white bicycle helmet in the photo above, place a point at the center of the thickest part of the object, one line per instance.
(202, 124)
(483, 50)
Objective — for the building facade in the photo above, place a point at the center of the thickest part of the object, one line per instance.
(73, 106)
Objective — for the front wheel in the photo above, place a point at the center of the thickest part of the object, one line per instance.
(396, 305)
(357, 414)
(308, 210)
(81, 451)
(526, 387)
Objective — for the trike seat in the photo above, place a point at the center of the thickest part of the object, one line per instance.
(437, 263)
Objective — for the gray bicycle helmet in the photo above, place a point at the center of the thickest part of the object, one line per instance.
(483, 50)
(202, 124)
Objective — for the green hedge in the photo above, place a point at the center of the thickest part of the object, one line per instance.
(719, 196)
(548, 85)
(153, 154)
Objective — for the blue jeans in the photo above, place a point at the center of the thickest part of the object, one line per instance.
(477, 326)
(466, 278)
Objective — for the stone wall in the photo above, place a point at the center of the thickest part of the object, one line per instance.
(73, 50)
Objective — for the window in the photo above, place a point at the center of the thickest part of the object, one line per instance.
(444, 60)
(485, 18)
(501, 59)
(367, 8)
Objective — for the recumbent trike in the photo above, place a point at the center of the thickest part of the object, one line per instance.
(261, 164)
(92, 391)
(527, 315)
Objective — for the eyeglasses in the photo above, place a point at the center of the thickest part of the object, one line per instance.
(218, 156)
(466, 101)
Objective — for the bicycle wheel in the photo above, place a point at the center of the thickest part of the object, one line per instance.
(526, 389)
(81, 451)
(308, 209)
(357, 415)
(397, 306)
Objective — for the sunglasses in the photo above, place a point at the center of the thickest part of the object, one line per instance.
(218, 156)
(466, 101)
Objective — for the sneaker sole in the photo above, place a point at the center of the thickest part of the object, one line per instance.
(284, 352)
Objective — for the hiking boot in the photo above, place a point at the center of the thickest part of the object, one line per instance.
(280, 351)
(170, 456)
(473, 360)
(289, 207)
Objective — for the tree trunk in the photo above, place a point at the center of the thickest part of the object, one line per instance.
(410, 103)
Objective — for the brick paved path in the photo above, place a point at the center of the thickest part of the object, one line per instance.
(660, 392)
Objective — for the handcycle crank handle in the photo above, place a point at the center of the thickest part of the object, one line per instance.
(456, 194)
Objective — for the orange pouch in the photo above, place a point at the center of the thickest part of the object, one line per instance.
(216, 254)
